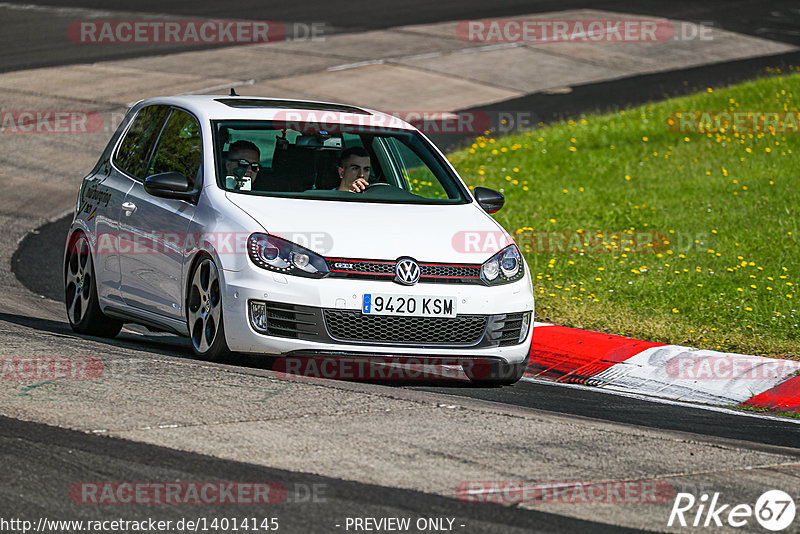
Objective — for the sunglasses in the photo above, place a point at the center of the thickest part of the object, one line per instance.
(244, 163)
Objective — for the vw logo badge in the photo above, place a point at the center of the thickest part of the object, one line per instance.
(407, 272)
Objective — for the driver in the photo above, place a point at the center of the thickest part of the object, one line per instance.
(242, 163)
(354, 169)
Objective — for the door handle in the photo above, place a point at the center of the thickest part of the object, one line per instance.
(128, 207)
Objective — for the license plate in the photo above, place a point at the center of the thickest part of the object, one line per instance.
(408, 305)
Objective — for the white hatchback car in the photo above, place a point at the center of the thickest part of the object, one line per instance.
(233, 221)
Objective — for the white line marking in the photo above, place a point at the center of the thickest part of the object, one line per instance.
(398, 59)
(466, 50)
(357, 64)
(83, 12)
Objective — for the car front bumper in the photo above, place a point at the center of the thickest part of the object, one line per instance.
(324, 315)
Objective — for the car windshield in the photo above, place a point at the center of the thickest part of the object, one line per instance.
(302, 160)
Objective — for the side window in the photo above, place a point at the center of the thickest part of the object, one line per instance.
(179, 148)
(134, 151)
(419, 178)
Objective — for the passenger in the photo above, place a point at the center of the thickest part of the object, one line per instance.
(242, 162)
(354, 169)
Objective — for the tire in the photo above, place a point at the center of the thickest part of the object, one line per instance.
(204, 312)
(80, 292)
(495, 373)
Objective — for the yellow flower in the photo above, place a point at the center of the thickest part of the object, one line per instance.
(675, 310)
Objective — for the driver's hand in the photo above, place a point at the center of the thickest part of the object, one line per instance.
(359, 185)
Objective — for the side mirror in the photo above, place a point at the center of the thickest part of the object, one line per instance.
(489, 199)
(170, 185)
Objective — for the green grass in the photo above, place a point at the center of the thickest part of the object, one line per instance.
(632, 228)
(747, 408)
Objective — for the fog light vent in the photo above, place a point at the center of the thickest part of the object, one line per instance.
(526, 322)
(258, 315)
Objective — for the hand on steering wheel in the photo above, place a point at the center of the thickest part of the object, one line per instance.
(359, 186)
(376, 184)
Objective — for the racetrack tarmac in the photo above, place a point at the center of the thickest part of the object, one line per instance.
(48, 462)
(38, 264)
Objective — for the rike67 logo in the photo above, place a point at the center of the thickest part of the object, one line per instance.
(774, 510)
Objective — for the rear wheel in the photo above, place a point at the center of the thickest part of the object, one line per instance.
(204, 311)
(80, 293)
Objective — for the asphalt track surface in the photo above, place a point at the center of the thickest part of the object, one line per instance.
(44, 460)
(33, 34)
(37, 264)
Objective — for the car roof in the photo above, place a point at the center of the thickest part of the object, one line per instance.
(226, 107)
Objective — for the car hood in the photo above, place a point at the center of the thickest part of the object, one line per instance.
(435, 233)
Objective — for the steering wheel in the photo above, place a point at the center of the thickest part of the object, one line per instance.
(376, 184)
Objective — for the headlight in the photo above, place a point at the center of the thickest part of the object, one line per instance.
(503, 268)
(279, 255)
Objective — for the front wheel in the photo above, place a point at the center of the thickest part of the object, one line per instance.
(204, 311)
(80, 293)
(495, 373)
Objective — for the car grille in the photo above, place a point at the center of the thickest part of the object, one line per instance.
(347, 325)
(331, 325)
(384, 270)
